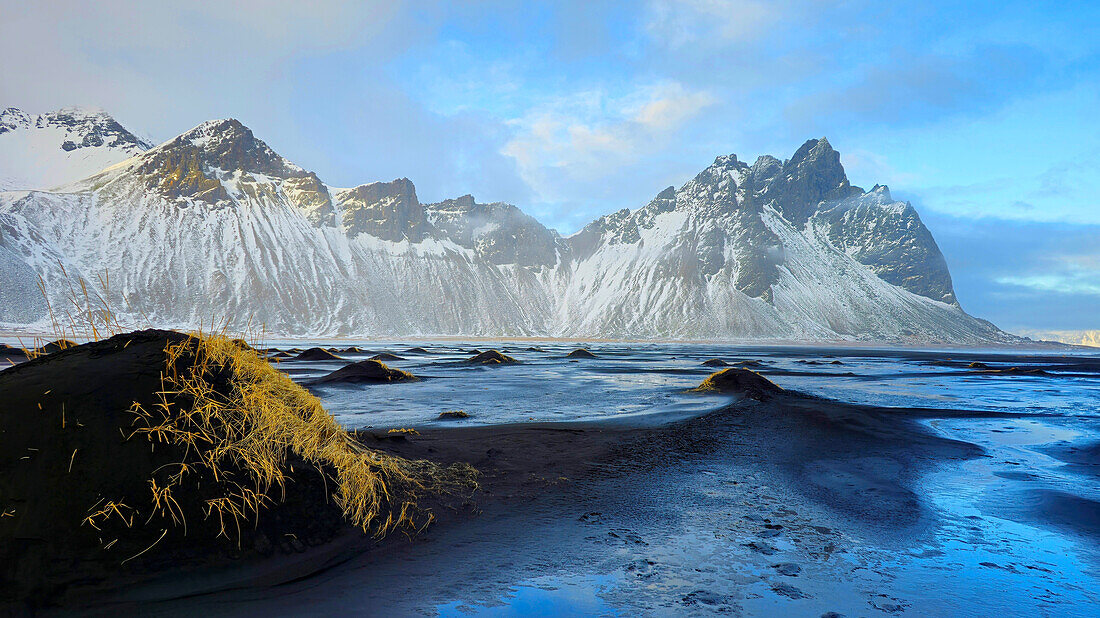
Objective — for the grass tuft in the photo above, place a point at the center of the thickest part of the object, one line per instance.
(241, 420)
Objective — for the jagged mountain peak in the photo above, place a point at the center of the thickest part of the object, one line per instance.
(193, 165)
(813, 175)
(41, 151)
(85, 126)
(386, 210)
(229, 145)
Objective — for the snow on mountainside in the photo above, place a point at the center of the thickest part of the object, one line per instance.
(50, 150)
(214, 224)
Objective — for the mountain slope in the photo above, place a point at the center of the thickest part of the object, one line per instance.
(53, 149)
(214, 225)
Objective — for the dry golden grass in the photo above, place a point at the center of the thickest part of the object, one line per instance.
(236, 419)
(252, 428)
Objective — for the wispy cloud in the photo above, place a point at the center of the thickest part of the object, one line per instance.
(709, 23)
(1079, 274)
(589, 135)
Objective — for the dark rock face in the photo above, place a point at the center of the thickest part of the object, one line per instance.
(311, 196)
(813, 175)
(186, 166)
(179, 173)
(500, 233)
(386, 210)
(892, 241)
(229, 145)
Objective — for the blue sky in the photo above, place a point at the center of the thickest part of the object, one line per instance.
(984, 115)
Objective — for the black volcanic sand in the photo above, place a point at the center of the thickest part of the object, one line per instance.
(317, 354)
(64, 449)
(548, 488)
(371, 371)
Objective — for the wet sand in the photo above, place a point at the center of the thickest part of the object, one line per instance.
(793, 505)
(796, 505)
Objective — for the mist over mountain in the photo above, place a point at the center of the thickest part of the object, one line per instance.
(214, 225)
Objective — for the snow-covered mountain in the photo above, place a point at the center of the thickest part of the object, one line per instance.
(214, 225)
(51, 150)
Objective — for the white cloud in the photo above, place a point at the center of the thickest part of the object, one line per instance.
(1063, 274)
(680, 23)
(589, 135)
(865, 167)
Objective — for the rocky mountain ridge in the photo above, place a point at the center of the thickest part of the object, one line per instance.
(215, 223)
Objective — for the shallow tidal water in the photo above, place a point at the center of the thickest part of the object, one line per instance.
(649, 379)
(1016, 531)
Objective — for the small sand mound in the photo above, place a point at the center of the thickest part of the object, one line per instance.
(156, 450)
(351, 350)
(743, 381)
(386, 356)
(580, 353)
(316, 354)
(474, 351)
(977, 365)
(417, 351)
(1033, 371)
(716, 362)
(366, 372)
(453, 414)
(56, 346)
(751, 363)
(7, 351)
(491, 357)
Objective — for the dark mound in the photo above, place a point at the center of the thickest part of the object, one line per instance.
(491, 357)
(386, 356)
(716, 362)
(75, 475)
(317, 354)
(351, 350)
(56, 346)
(108, 476)
(580, 353)
(282, 354)
(534, 349)
(450, 414)
(14, 353)
(366, 372)
(836, 362)
(474, 351)
(417, 351)
(742, 381)
(977, 365)
(1031, 371)
(751, 363)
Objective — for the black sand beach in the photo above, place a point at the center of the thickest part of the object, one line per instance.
(777, 502)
